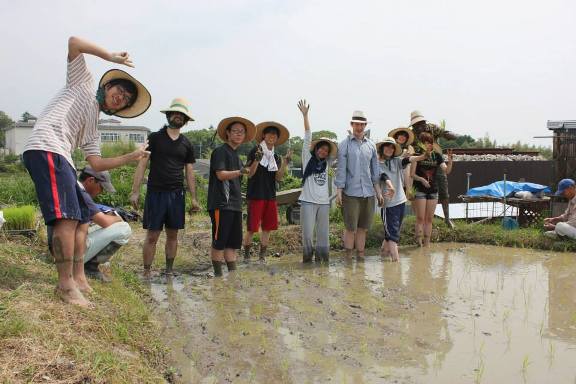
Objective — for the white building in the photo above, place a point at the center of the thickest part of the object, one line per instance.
(111, 131)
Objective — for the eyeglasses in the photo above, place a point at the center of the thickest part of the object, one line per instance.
(126, 96)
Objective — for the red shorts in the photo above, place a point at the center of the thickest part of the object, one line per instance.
(263, 212)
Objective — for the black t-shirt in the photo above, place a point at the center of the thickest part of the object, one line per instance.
(225, 195)
(262, 186)
(167, 160)
(427, 169)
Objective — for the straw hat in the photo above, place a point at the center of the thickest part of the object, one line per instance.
(143, 100)
(331, 142)
(359, 117)
(284, 134)
(250, 128)
(181, 105)
(389, 140)
(408, 131)
(416, 117)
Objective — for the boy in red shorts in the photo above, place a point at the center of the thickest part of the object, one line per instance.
(266, 168)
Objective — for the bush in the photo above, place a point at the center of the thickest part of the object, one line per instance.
(20, 218)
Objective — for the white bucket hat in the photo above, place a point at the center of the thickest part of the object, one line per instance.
(181, 105)
(416, 117)
(359, 117)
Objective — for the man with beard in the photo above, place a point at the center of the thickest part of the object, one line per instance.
(170, 153)
(419, 125)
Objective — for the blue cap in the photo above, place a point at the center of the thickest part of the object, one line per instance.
(563, 184)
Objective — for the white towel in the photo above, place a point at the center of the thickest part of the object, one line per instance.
(268, 159)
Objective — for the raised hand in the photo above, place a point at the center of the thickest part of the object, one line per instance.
(258, 155)
(121, 58)
(288, 157)
(303, 107)
(141, 152)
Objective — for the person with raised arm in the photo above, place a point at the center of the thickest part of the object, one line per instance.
(317, 158)
(68, 122)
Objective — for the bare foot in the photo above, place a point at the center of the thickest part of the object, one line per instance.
(83, 285)
(73, 296)
(147, 274)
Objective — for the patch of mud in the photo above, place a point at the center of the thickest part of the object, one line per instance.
(448, 314)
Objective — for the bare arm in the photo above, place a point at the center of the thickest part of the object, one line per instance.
(99, 163)
(138, 177)
(77, 46)
(448, 168)
(229, 175)
(282, 171)
(105, 220)
(191, 182)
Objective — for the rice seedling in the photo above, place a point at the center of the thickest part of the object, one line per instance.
(525, 364)
(479, 371)
(20, 218)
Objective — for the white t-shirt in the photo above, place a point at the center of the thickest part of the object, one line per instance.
(316, 188)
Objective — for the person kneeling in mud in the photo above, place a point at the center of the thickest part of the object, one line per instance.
(266, 169)
(392, 168)
(224, 193)
(317, 159)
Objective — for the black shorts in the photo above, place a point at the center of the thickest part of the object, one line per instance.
(226, 229)
(164, 208)
(57, 189)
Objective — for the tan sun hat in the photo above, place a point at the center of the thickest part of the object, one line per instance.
(282, 138)
(389, 140)
(181, 105)
(143, 100)
(331, 142)
(416, 117)
(250, 128)
(408, 131)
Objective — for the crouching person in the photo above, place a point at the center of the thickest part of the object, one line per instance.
(107, 231)
(224, 193)
(565, 224)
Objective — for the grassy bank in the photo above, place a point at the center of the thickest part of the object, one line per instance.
(43, 340)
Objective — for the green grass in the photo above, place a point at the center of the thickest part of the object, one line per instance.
(117, 341)
(20, 218)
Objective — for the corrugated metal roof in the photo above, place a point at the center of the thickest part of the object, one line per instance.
(559, 124)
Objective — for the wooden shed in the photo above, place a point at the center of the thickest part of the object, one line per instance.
(564, 148)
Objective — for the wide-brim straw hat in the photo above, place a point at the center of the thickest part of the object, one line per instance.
(282, 138)
(331, 142)
(389, 140)
(143, 100)
(416, 117)
(181, 105)
(250, 127)
(408, 131)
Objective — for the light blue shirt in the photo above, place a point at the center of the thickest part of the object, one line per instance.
(358, 168)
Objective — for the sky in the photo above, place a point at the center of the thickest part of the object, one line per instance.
(492, 67)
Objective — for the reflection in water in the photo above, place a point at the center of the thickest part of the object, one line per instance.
(449, 314)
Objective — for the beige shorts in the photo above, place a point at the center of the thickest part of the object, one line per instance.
(358, 212)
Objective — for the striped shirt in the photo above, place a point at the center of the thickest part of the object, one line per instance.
(70, 120)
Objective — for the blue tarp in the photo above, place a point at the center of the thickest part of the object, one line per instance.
(496, 189)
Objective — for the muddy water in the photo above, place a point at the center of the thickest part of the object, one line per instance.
(450, 314)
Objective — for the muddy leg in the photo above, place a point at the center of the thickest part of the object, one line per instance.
(79, 251)
(420, 210)
(63, 239)
(230, 257)
(247, 249)
(171, 248)
(149, 250)
(348, 239)
(217, 260)
(360, 243)
(429, 216)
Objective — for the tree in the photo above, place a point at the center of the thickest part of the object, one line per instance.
(327, 134)
(27, 116)
(5, 122)
(203, 141)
